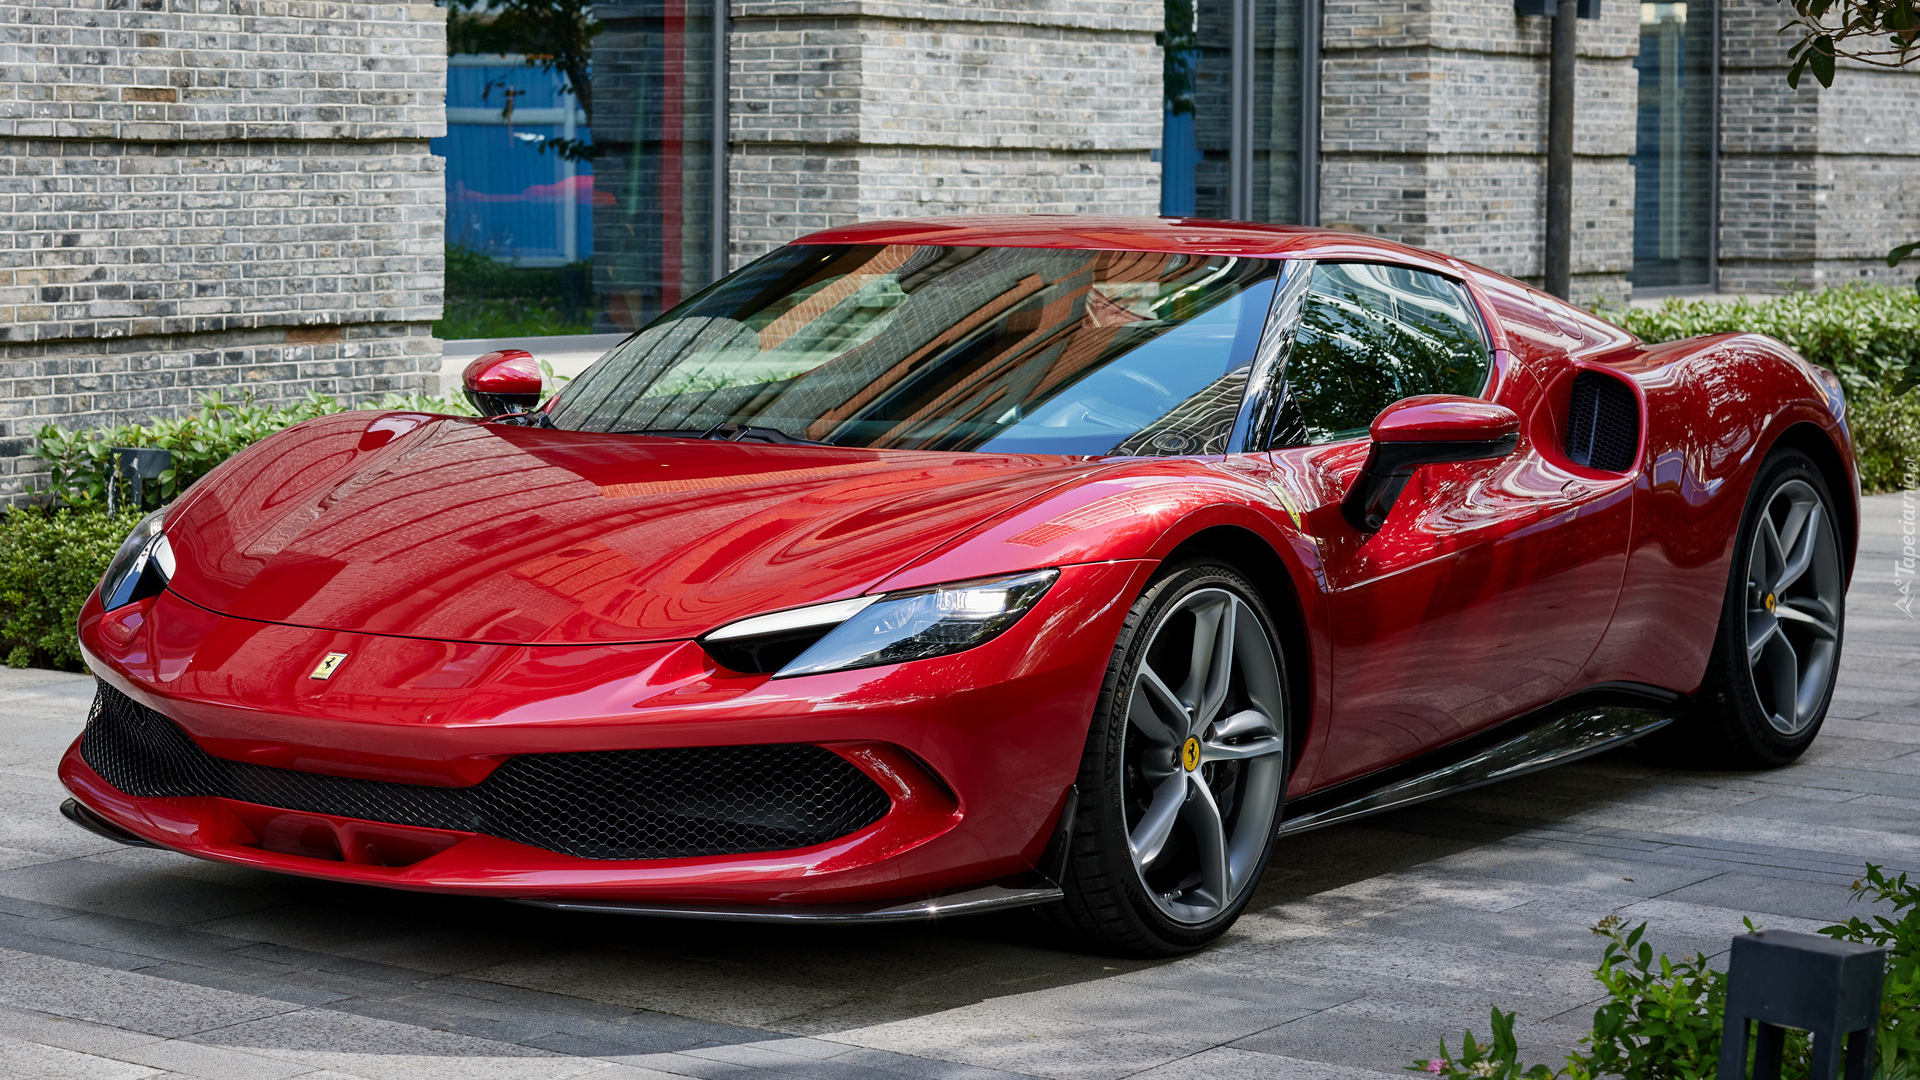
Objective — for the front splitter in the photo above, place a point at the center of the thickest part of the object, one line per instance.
(973, 901)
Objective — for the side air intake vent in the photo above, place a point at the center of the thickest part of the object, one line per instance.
(1603, 423)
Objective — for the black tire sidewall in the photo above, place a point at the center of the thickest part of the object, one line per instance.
(1104, 835)
(1728, 698)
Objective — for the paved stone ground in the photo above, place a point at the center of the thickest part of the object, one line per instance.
(1365, 945)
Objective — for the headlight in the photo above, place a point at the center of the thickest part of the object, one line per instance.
(142, 566)
(869, 631)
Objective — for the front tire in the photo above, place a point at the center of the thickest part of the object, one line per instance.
(1777, 652)
(1184, 770)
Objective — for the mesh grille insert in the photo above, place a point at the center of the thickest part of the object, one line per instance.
(1603, 423)
(610, 804)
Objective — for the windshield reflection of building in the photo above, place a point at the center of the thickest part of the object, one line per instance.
(1038, 333)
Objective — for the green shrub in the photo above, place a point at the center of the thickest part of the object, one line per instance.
(49, 562)
(80, 463)
(506, 318)
(1869, 335)
(1886, 438)
(51, 557)
(1662, 1018)
(1898, 1045)
(489, 298)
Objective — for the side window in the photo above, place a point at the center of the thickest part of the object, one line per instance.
(1369, 335)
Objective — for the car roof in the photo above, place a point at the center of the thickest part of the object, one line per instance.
(1113, 233)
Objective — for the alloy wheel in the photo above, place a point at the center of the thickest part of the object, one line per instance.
(1794, 597)
(1204, 755)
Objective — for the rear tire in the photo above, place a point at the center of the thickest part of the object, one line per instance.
(1777, 652)
(1184, 770)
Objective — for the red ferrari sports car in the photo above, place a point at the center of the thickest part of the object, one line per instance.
(937, 566)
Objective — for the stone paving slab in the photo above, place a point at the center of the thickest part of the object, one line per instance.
(1366, 944)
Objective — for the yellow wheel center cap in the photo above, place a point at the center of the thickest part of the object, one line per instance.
(1770, 603)
(1190, 754)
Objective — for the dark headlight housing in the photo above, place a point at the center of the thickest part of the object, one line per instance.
(869, 631)
(141, 568)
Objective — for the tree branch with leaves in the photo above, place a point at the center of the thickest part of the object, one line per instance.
(553, 35)
(1882, 33)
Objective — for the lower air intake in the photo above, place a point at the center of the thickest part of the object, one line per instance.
(610, 804)
(1603, 423)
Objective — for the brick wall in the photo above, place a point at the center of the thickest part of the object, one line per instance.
(1816, 184)
(231, 194)
(843, 111)
(1433, 132)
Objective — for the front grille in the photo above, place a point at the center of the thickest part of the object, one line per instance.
(609, 804)
(1603, 423)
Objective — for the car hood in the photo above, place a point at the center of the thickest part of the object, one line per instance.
(443, 528)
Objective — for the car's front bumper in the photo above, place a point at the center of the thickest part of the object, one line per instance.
(975, 751)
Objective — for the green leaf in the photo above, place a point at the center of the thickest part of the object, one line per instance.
(1902, 253)
(1822, 64)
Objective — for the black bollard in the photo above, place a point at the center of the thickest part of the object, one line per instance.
(1777, 979)
(135, 466)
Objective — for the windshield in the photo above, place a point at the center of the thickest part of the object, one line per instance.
(1013, 350)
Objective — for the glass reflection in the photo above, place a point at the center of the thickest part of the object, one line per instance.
(1276, 110)
(580, 179)
(1196, 134)
(1672, 158)
(1009, 350)
(1369, 336)
(1199, 104)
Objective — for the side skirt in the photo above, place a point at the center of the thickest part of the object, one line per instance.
(1592, 721)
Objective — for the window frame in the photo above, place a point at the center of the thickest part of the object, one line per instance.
(1243, 84)
(1716, 60)
(567, 115)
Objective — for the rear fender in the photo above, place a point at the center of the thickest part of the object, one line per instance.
(1715, 407)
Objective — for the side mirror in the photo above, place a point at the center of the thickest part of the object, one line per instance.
(503, 381)
(1424, 431)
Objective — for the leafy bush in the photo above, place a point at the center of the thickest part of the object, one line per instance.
(51, 557)
(1886, 438)
(1897, 1048)
(49, 563)
(505, 318)
(80, 463)
(1662, 1018)
(1869, 335)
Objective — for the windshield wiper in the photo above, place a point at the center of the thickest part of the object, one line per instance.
(725, 432)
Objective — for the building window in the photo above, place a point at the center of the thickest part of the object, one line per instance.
(1240, 109)
(585, 186)
(506, 198)
(1674, 160)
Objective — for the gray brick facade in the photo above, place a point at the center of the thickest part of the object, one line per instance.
(213, 194)
(1816, 184)
(239, 194)
(849, 110)
(1434, 133)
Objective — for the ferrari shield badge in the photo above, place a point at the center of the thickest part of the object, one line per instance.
(329, 664)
